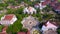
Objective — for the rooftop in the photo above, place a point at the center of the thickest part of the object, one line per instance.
(8, 17)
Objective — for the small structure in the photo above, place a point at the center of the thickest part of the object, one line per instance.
(29, 10)
(49, 25)
(8, 19)
(30, 22)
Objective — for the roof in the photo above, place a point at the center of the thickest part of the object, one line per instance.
(3, 33)
(51, 24)
(8, 17)
(29, 22)
(24, 32)
(21, 33)
(44, 3)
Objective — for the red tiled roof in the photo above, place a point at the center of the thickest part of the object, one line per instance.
(21, 33)
(28, 32)
(8, 17)
(52, 4)
(3, 33)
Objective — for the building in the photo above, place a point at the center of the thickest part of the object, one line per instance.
(49, 25)
(8, 19)
(56, 7)
(46, 2)
(29, 10)
(53, 3)
(30, 22)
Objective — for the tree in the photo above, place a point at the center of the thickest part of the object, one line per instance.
(16, 27)
(3, 4)
(10, 11)
(19, 11)
(1, 8)
(1, 26)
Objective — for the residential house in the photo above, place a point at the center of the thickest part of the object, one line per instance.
(29, 10)
(53, 3)
(30, 22)
(57, 8)
(8, 19)
(49, 25)
(43, 3)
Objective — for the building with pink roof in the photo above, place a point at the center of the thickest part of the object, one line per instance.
(49, 25)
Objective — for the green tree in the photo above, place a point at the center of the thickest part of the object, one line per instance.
(1, 26)
(16, 27)
(10, 11)
(19, 11)
(3, 4)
